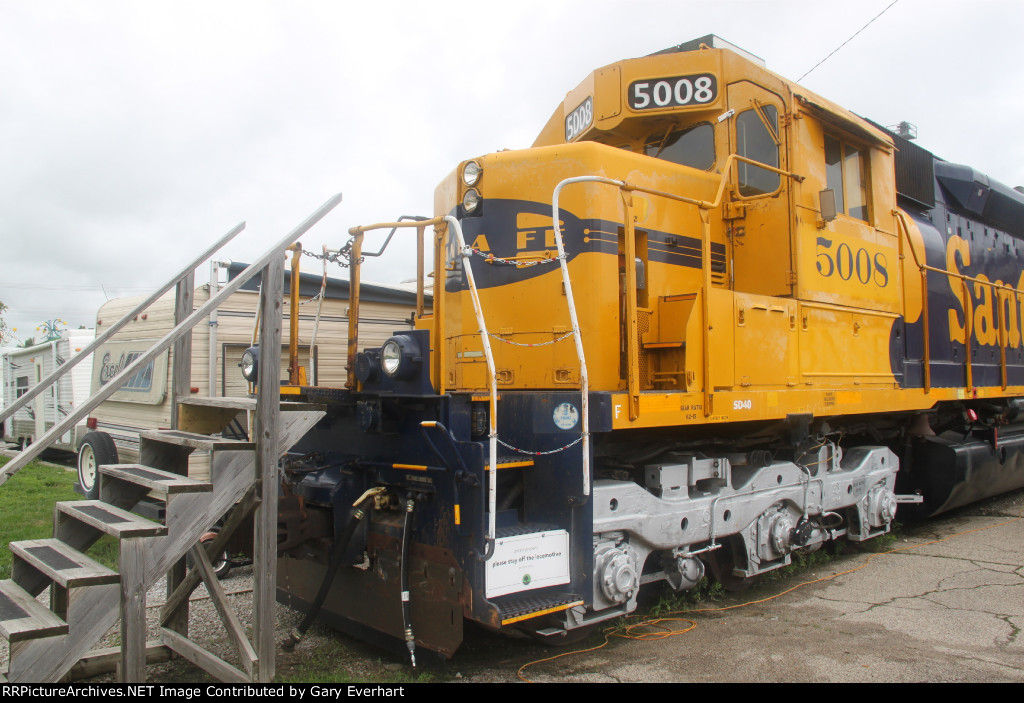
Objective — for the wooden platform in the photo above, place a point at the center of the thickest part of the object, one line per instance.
(194, 440)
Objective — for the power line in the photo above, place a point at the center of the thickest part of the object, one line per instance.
(848, 40)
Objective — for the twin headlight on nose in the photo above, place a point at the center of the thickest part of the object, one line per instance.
(471, 174)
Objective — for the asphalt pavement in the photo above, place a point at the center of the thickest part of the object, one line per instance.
(945, 605)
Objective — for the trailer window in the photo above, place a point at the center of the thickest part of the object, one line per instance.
(692, 146)
(21, 386)
(846, 175)
(755, 141)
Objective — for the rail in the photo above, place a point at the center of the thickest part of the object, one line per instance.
(41, 443)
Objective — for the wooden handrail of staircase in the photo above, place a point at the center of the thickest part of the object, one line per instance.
(41, 443)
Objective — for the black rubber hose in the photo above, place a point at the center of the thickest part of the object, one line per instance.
(358, 513)
(410, 640)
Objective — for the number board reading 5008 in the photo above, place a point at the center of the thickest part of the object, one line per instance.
(673, 92)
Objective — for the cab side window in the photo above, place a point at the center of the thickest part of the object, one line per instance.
(754, 140)
(846, 175)
(690, 146)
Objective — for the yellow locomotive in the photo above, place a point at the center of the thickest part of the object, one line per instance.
(708, 319)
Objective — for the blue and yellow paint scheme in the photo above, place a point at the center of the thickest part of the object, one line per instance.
(782, 307)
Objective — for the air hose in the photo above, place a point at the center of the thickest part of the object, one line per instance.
(358, 513)
(410, 640)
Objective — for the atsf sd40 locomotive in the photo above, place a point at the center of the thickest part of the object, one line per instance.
(707, 320)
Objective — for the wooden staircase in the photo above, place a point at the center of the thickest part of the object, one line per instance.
(87, 599)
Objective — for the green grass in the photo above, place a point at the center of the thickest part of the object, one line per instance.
(323, 665)
(26, 510)
(706, 591)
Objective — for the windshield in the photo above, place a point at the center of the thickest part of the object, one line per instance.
(689, 146)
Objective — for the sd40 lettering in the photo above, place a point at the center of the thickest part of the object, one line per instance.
(680, 91)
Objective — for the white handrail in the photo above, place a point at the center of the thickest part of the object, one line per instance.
(492, 483)
(584, 379)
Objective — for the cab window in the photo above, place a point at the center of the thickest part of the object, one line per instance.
(846, 175)
(755, 141)
(692, 146)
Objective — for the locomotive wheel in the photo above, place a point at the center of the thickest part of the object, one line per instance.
(721, 562)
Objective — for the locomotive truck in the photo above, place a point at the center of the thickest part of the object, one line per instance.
(708, 320)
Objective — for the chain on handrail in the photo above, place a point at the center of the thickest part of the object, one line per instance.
(342, 257)
(492, 259)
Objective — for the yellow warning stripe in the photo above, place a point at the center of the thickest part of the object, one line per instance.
(508, 464)
(458, 515)
(413, 467)
(537, 614)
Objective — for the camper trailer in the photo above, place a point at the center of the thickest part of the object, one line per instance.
(147, 400)
(24, 367)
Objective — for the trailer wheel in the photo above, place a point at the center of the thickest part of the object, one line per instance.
(97, 449)
(221, 564)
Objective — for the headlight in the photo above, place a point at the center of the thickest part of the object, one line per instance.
(471, 200)
(250, 364)
(400, 357)
(391, 357)
(368, 365)
(471, 173)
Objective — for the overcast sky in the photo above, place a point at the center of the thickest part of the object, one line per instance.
(132, 133)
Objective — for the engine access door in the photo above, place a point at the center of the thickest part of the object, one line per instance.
(757, 217)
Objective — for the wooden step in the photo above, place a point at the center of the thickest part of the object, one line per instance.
(106, 518)
(22, 617)
(194, 440)
(163, 483)
(213, 415)
(59, 563)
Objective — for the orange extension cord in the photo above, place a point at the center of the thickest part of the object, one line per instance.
(662, 627)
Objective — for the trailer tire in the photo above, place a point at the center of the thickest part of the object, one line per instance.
(97, 449)
(221, 564)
